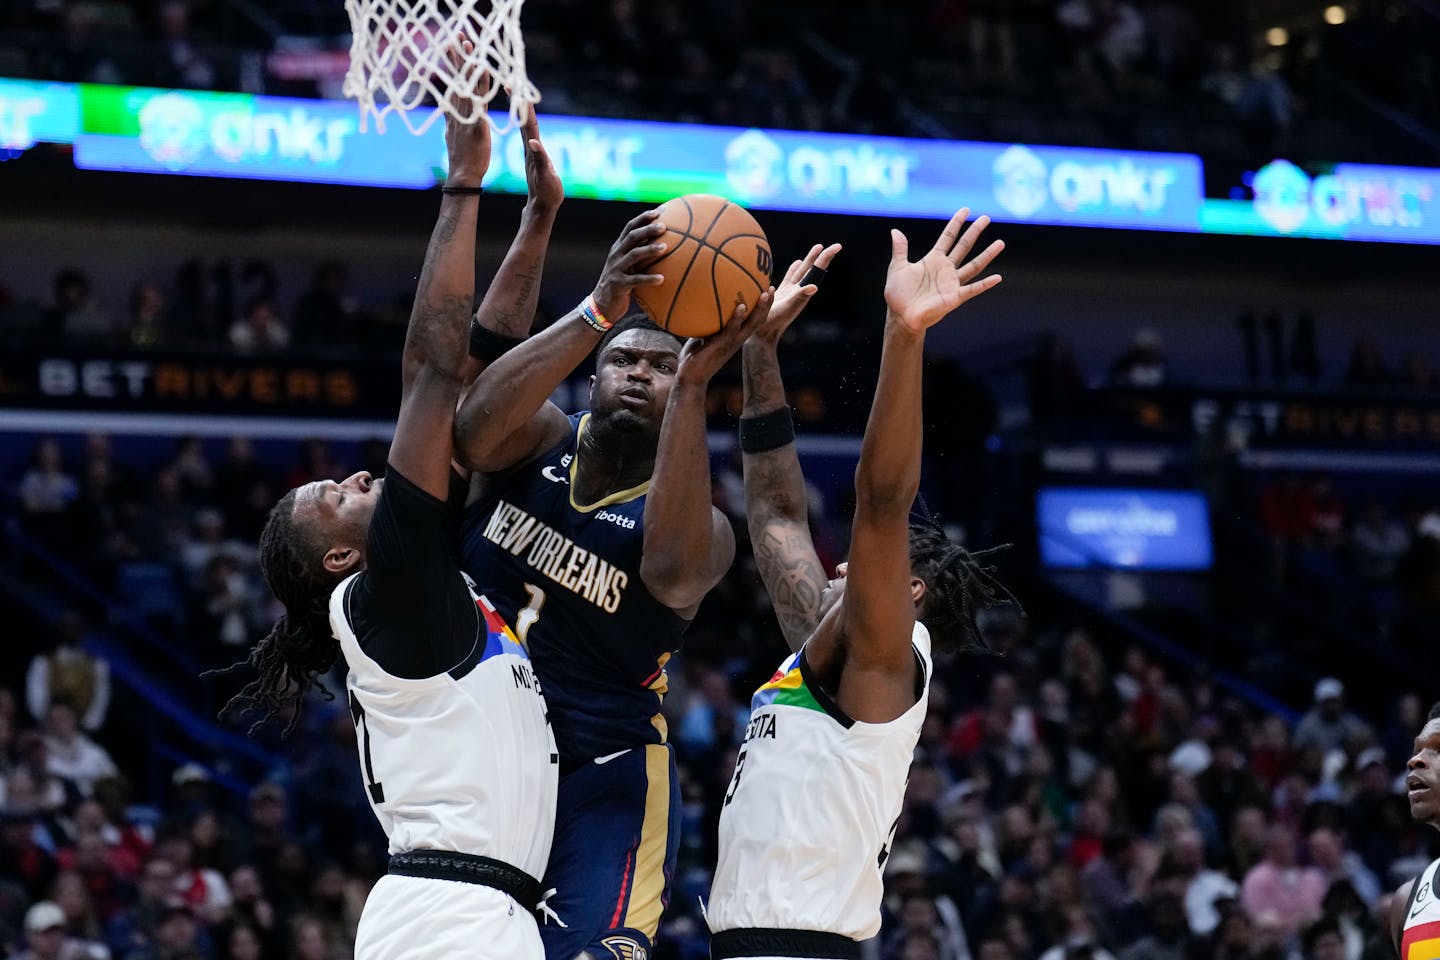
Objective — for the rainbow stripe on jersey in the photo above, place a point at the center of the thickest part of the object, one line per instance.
(786, 688)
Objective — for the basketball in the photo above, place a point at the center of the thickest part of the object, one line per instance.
(716, 256)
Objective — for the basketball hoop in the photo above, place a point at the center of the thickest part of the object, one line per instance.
(398, 61)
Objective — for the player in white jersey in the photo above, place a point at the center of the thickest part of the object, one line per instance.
(820, 779)
(1415, 907)
(451, 729)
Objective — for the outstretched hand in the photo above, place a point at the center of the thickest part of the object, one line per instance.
(702, 358)
(921, 294)
(792, 296)
(467, 145)
(542, 182)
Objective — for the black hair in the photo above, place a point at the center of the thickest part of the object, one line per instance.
(632, 321)
(1434, 712)
(958, 585)
(290, 658)
(1318, 929)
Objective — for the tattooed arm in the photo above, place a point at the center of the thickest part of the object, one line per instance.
(437, 341)
(775, 499)
(508, 308)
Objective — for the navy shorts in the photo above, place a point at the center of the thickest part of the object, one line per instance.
(617, 831)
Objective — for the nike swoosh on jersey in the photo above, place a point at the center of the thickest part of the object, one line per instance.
(549, 474)
(611, 756)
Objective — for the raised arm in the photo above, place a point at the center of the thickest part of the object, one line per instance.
(878, 610)
(507, 312)
(688, 542)
(437, 341)
(507, 418)
(776, 508)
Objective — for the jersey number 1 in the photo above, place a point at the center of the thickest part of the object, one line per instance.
(357, 716)
(526, 618)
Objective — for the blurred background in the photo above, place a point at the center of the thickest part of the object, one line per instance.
(1204, 410)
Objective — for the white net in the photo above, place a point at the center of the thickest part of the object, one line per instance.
(400, 61)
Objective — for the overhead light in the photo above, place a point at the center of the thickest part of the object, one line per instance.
(1277, 36)
(1335, 15)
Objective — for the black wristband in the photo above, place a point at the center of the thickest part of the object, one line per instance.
(769, 431)
(463, 191)
(489, 346)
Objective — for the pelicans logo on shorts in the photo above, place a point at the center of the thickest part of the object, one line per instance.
(623, 948)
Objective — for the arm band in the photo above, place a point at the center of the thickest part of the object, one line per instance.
(463, 191)
(590, 313)
(489, 346)
(769, 431)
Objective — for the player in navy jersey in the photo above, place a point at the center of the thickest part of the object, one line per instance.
(452, 734)
(595, 535)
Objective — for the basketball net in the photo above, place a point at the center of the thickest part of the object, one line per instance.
(398, 61)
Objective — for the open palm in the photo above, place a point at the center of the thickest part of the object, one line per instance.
(922, 293)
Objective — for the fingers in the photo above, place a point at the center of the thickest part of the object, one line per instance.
(899, 248)
(827, 256)
(648, 235)
(948, 236)
(967, 242)
(640, 221)
(977, 266)
(973, 290)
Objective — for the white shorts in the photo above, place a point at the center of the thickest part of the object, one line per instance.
(416, 918)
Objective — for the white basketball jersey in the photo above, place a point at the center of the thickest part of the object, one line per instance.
(812, 808)
(463, 761)
(1420, 937)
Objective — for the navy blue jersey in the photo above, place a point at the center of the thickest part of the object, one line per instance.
(567, 576)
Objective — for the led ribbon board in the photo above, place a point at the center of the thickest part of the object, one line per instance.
(318, 141)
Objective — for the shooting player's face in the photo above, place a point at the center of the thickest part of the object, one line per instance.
(633, 378)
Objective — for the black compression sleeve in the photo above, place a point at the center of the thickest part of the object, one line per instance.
(411, 610)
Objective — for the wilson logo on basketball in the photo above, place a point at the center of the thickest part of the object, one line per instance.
(762, 259)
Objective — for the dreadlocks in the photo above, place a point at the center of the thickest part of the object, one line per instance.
(958, 584)
(300, 647)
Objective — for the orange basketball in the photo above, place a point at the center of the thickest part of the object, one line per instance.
(716, 256)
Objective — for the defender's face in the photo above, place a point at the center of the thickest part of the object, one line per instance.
(1422, 780)
(633, 378)
(340, 512)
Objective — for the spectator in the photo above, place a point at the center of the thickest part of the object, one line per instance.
(75, 316)
(1329, 856)
(1376, 544)
(183, 65)
(177, 934)
(70, 673)
(73, 756)
(1328, 725)
(1205, 889)
(46, 940)
(149, 317)
(1324, 941)
(1169, 937)
(1077, 937)
(259, 329)
(47, 489)
(1142, 364)
(133, 930)
(1367, 364)
(1277, 887)
(325, 315)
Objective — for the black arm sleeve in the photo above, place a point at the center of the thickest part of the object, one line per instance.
(410, 608)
